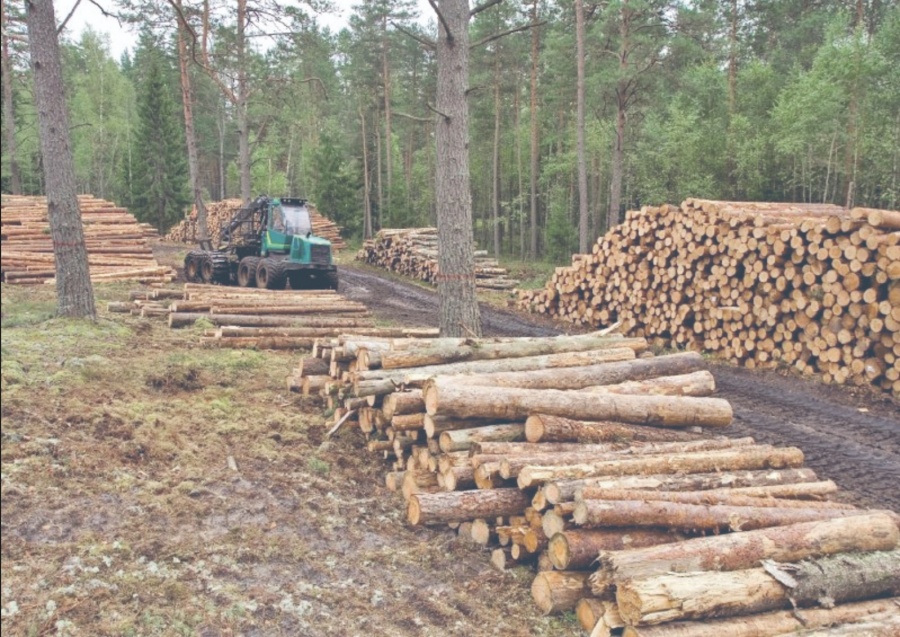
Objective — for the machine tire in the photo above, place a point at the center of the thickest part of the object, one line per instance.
(192, 263)
(214, 268)
(331, 280)
(270, 274)
(246, 274)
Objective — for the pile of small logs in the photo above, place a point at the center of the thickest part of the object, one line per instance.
(220, 213)
(254, 318)
(600, 466)
(816, 287)
(414, 253)
(117, 245)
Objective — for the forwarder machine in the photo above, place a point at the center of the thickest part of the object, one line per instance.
(267, 244)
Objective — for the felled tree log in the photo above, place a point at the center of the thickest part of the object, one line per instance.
(737, 551)
(577, 549)
(445, 397)
(699, 383)
(547, 428)
(581, 489)
(753, 496)
(557, 591)
(400, 403)
(775, 623)
(437, 508)
(463, 439)
(758, 457)
(183, 319)
(674, 515)
(592, 375)
(484, 350)
(834, 579)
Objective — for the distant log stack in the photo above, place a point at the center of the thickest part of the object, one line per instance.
(647, 517)
(220, 214)
(117, 245)
(813, 286)
(414, 253)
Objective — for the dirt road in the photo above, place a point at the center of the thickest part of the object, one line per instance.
(849, 435)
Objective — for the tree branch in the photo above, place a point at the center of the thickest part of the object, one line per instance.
(412, 117)
(497, 36)
(426, 42)
(442, 20)
(62, 25)
(483, 7)
(433, 109)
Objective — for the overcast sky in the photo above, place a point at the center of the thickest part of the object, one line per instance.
(121, 38)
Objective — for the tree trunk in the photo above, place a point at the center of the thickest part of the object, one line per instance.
(9, 113)
(464, 439)
(771, 494)
(495, 163)
(699, 383)
(776, 623)
(577, 549)
(242, 114)
(587, 376)
(583, 238)
(187, 100)
(838, 578)
(730, 460)
(441, 508)
(535, 150)
(546, 428)
(557, 591)
(388, 132)
(737, 551)
(459, 313)
(74, 292)
(367, 202)
(444, 396)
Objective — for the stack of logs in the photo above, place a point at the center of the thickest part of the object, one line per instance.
(414, 253)
(117, 245)
(252, 317)
(220, 213)
(598, 467)
(812, 286)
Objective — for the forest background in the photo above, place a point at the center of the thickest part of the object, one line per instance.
(775, 100)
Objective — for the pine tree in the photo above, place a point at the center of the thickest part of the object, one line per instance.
(159, 166)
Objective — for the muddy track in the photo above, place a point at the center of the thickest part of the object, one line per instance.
(851, 436)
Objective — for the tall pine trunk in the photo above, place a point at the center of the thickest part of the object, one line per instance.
(583, 238)
(495, 176)
(534, 132)
(74, 292)
(242, 103)
(459, 312)
(9, 112)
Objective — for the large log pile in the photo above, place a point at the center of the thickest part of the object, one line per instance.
(812, 286)
(257, 318)
(220, 214)
(636, 515)
(117, 245)
(414, 253)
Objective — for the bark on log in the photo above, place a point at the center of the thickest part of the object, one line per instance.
(401, 403)
(592, 375)
(183, 319)
(463, 401)
(482, 350)
(775, 623)
(577, 549)
(753, 496)
(737, 551)
(558, 591)
(674, 515)
(829, 580)
(570, 489)
(547, 428)
(437, 508)
(759, 457)
(699, 383)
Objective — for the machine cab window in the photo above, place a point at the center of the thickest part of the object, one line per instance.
(291, 217)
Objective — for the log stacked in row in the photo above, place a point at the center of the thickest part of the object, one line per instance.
(414, 253)
(563, 450)
(220, 214)
(255, 318)
(816, 287)
(117, 245)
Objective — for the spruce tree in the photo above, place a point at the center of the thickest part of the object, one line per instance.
(159, 166)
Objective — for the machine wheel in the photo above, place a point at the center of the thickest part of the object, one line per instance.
(331, 280)
(214, 268)
(246, 274)
(299, 280)
(192, 262)
(270, 274)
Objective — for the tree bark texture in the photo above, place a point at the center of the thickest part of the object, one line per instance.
(542, 428)
(9, 112)
(74, 292)
(438, 508)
